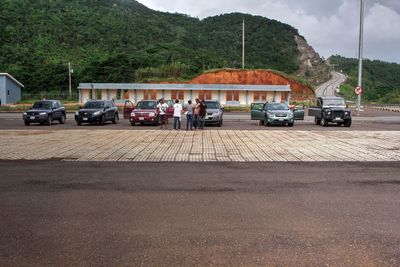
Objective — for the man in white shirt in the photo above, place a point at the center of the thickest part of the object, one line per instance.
(177, 115)
(162, 110)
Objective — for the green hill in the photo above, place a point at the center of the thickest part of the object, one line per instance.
(124, 41)
(381, 80)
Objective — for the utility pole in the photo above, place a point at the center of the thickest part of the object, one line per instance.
(360, 54)
(243, 46)
(70, 71)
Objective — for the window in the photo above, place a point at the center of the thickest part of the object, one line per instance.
(232, 95)
(126, 94)
(205, 94)
(177, 94)
(150, 95)
(8, 92)
(118, 96)
(98, 94)
(260, 96)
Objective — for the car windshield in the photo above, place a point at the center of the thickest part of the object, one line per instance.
(334, 102)
(278, 106)
(94, 105)
(146, 105)
(212, 104)
(170, 103)
(42, 105)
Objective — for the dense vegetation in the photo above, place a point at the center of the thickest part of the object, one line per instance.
(123, 41)
(381, 80)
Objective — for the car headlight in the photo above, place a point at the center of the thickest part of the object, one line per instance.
(152, 114)
(43, 113)
(346, 113)
(97, 113)
(329, 112)
(270, 114)
(290, 115)
(133, 114)
(25, 113)
(215, 114)
(76, 113)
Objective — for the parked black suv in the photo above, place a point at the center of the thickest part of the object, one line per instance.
(97, 111)
(45, 112)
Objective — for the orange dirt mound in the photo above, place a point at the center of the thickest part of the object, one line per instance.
(255, 77)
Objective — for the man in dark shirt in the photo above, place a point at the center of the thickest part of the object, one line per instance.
(202, 114)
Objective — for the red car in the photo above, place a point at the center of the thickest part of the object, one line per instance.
(145, 112)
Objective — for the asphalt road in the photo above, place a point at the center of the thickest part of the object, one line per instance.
(329, 88)
(125, 214)
(367, 121)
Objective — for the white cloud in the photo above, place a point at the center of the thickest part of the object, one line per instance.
(331, 27)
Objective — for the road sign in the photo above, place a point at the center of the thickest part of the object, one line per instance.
(358, 90)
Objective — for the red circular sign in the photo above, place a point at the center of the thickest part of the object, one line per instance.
(358, 90)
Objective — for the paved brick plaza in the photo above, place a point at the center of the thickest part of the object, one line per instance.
(205, 146)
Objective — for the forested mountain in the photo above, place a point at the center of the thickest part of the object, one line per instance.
(381, 80)
(124, 41)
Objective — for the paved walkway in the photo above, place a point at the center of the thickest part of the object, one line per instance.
(205, 146)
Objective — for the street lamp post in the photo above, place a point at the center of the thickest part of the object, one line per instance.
(360, 53)
(70, 71)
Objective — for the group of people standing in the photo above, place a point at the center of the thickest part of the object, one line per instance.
(195, 114)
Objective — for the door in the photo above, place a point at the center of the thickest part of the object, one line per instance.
(257, 111)
(298, 112)
(109, 110)
(56, 111)
(128, 107)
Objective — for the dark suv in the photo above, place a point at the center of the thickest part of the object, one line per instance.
(45, 112)
(97, 111)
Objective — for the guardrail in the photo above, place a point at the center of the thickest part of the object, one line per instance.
(387, 108)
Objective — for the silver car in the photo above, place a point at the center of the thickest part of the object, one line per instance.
(214, 113)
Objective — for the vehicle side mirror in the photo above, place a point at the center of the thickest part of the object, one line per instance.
(295, 109)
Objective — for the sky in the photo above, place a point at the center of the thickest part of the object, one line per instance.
(330, 26)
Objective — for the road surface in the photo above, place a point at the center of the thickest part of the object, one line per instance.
(329, 88)
(192, 214)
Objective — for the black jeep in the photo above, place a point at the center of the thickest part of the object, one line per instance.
(97, 111)
(331, 110)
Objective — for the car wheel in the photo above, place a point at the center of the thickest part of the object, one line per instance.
(266, 123)
(102, 120)
(116, 118)
(324, 122)
(133, 124)
(340, 123)
(317, 121)
(291, 124)
(27, 123)
(62, 119)
(49, 120)
(347, 123)
(78, 123)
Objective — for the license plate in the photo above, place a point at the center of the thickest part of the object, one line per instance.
(141, 118)
(281, 119)
(338, 119)
(32, 117)
(85, 119)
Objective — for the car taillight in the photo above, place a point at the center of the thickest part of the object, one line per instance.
(133, 114)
